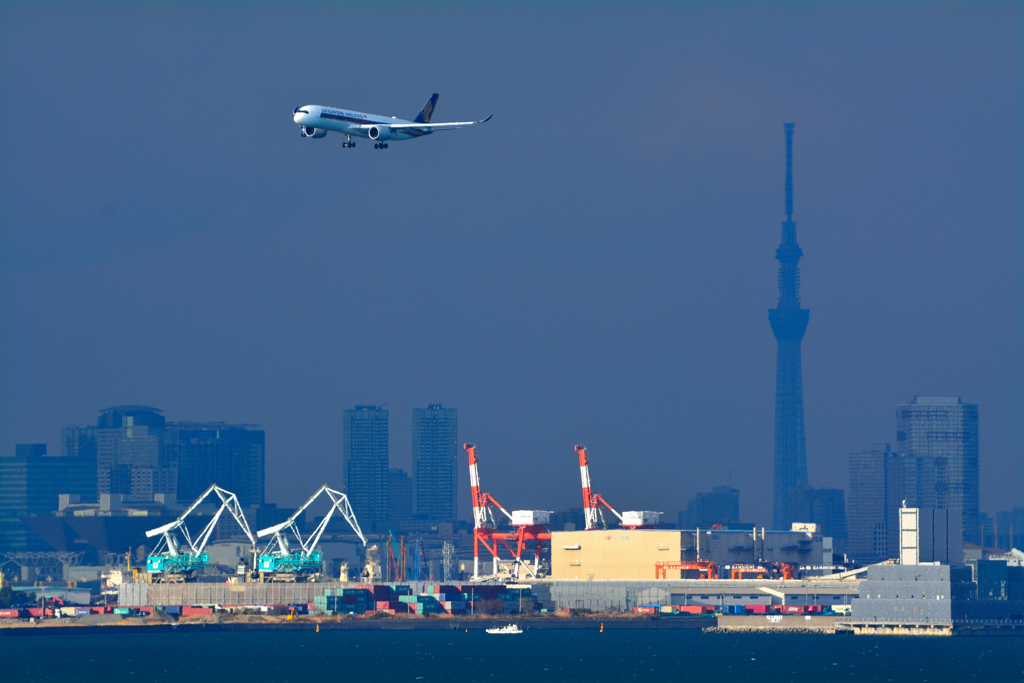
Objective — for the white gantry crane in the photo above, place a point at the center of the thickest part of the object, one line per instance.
(280, 562)
(174, 560)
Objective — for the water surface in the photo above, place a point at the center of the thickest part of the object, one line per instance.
(535, 656)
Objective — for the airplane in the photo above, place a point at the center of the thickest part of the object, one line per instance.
(314, 122)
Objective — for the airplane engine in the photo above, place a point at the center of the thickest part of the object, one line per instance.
(379, 132)
(311, 132)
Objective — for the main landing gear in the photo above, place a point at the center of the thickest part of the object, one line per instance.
(348, 142)
(380, 145)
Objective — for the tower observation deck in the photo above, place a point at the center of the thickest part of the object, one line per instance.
(789, 322)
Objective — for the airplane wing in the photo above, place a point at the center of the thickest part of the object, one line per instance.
(431, 127)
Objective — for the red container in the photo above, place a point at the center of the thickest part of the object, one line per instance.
(756, 609)
(793, 609)
(35, 611)
(646, 610)
(690, 609)
(813, 609)
(9, 613)
(189, 611)
(145, 610)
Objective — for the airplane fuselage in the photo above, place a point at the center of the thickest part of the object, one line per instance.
(315, 121)
(356, 123)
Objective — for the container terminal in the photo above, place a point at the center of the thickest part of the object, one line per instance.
(750, 580)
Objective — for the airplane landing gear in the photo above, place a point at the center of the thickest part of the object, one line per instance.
(348, 142)
(380, 145)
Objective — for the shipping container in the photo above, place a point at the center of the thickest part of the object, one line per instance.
(189, 611)
(172, 609)
(792, 609)
(82, 611)
(10, 613)
(123, 610)
(756, 609)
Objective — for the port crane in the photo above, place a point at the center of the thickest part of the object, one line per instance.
(592, 503)
(281, 562)
(172, 560)
(530, 525)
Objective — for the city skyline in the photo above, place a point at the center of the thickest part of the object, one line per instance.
(937, 437)
(560, 285)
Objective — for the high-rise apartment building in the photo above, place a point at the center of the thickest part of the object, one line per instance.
(204, 453)
(365, 462)
(31, 483)
(942, 433)
(435, 462)
(789, 322)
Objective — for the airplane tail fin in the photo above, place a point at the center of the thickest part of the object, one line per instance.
(428, 110)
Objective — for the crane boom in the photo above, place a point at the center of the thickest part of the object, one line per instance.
(307, 559)
(481, 501)
(591, 500)
(173, 561)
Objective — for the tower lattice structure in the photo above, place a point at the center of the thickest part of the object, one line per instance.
(789, 322)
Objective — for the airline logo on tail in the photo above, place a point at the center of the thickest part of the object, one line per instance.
(428, 110)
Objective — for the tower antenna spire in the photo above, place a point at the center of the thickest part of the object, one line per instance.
(789, 172)
(789, 323)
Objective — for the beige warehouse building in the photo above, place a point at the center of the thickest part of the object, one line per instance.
(613, 553)
(633, 554)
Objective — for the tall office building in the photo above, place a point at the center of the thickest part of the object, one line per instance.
(721, 505)
(789, 322)
(365, 463)
(942, 432)
(30, 485)
(204, 453)
(873, 501)
(827, 508)
(435, 462)
(128, 452)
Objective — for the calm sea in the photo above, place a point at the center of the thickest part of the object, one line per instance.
(537, 655)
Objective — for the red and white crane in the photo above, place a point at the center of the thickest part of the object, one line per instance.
(592, 503)
(530, 525)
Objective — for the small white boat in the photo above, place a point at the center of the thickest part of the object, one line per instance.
(511, 628)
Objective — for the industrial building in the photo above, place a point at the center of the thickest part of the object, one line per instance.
(637, 554)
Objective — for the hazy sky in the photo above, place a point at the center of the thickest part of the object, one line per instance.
(595, 265)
